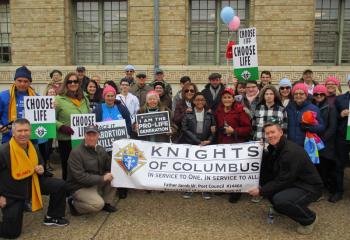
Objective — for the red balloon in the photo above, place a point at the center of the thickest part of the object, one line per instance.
(229, 54)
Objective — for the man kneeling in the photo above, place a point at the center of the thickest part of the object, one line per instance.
(21, 178)
(289, 179)
(89, 177)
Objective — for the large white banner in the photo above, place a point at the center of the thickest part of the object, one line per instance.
(181, 167)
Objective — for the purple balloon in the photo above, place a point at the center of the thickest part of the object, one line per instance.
(234, 24)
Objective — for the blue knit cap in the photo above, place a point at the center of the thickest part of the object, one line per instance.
(285, 82)
(23, 72)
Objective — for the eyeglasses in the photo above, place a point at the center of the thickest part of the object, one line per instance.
(189, 90)
(124, 84)
(129, 71)
(72, 81)
(283, 88)
(319, 94)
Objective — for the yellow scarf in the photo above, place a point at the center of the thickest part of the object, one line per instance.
(75, 101)
(12, 105)
(22, 166)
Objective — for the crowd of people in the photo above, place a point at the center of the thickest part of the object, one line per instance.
(281, 118)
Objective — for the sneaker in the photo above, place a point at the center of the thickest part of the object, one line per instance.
(73, 210)
(308, 229)
(51, 221)
(256, 199)
(109, 208)
(187, 195)
(206, 195)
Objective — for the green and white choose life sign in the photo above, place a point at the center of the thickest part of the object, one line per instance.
(40, 112)
(245, 56)
(78, 123)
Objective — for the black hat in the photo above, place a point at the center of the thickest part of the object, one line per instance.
(55, 71)
(81, 69)
(307, 71)
(158, 83)
(141, 75)
(213, 76)
(91, 128)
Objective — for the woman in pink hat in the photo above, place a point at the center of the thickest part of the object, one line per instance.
(295, 110)
(332, 84)
(328, 154)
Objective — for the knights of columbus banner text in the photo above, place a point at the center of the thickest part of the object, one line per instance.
(181, 167)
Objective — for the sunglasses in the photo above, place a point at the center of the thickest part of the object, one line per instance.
(319, 94)
(283, 88)
(189, 90)
(129, 71)
(72, 81)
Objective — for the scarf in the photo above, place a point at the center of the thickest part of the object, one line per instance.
(22, 166)
(215, 91)
(12, 115)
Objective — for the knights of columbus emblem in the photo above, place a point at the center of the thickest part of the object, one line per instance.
(130, 158)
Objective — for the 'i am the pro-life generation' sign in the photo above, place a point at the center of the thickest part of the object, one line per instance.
(153, 123)
(78, 123)
(245, 55)
(40, 112)
(111, 131)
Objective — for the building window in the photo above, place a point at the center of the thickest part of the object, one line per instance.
(101, 34)
(208, 35)
(332, 32)
(5, 32)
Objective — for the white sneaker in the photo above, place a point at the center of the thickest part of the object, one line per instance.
(308, 229)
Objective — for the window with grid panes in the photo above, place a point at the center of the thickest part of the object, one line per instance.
(208, 34)
(101, 34)
(5, 32)
(332, 32)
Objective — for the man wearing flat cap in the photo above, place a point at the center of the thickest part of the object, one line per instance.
(129, 74)
(89, 176)
(81, 72)
(12, 101)
(159, 77)
(140, 88)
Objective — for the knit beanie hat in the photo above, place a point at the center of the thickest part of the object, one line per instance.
(320, 88)
(108, 89)
(285, 82)
(300, 86)
(332, 79)
(23, 72)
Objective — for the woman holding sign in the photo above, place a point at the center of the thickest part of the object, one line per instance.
(70, 100)
(233, 125)
(112, 109)
(153, 105)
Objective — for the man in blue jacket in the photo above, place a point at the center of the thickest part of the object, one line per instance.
(12, 101)
(342, 144)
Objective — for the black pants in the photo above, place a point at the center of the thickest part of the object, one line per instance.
(64, 148)
(343, 149)
(293, 203)
(45, 150)
(326, 169)
(12, 213)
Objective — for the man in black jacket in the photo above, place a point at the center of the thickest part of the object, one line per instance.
(18, 180)
(89, 177)
(212, 91)
(289, 179)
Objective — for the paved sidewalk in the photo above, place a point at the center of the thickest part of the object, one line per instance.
(168, 216)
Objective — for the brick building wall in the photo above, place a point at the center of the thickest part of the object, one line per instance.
(42, 38)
